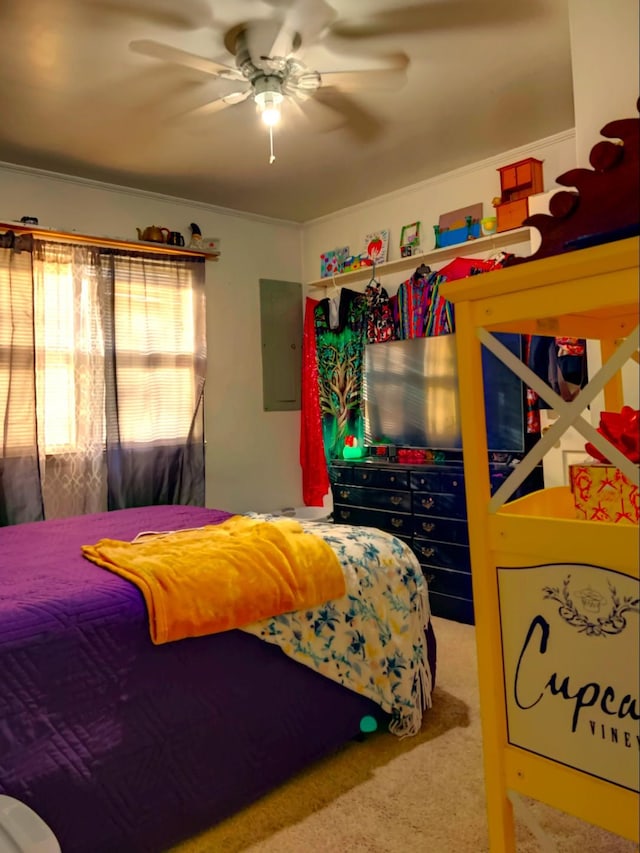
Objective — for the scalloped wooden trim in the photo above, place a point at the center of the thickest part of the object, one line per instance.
(601, 204)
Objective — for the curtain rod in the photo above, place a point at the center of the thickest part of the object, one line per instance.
(107, 242)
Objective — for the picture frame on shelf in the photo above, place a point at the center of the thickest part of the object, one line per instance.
(332, 262)
(410, 238)
(458, 226)
(376, 246)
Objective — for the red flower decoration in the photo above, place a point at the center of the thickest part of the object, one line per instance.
(622, 429)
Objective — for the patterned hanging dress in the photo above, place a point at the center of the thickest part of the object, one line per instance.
(340, 324)
(315, 477)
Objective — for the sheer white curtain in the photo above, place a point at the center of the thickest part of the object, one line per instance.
(70, 391)
(102, 367)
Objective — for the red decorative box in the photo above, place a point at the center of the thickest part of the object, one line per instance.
(601, 492)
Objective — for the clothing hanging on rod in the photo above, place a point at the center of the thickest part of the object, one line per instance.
(315, 479)
(340, 354)
(380, 325)
(412, 304)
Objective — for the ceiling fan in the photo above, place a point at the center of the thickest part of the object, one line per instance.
(269, 71)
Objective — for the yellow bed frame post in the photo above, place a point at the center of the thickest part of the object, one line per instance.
(591, 293)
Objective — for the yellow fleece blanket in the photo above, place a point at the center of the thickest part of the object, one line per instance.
(223, 576)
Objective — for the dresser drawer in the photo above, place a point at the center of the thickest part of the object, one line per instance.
(452, 607)
(340, 473)
(452, 482)
(376, 498)
(512, 214)
(437, 503)
(441, 529)
(438, 480)
(393, 522)
(443, 554)
(448, 582)
(425, 480)
(382, 478)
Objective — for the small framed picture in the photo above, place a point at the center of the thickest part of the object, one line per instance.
(410, 235)
(376, 246)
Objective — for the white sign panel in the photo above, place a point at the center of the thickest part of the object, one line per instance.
(570, 639)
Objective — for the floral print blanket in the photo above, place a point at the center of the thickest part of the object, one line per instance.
(371, 640)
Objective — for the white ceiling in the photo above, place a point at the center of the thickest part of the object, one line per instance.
(483, 76)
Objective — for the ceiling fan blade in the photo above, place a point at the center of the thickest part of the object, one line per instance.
(303, 23)
(157, 50)
(186, 15)
(392, 77)
(320, 117)
(363, 125)
(432, 16)
(219, 104)
(256, 38)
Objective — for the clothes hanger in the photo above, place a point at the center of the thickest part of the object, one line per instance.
(421, 271)
(335, 290)
(373, 281)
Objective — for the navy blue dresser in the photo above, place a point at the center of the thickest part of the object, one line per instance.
(425, 506)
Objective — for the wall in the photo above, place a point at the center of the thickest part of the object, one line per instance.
(425, 202)
(605, 56)
(252, 456)
(605, 62)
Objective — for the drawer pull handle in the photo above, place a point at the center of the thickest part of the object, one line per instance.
(396, 499)
(428, 526)
(397, 522)
(430, 579)
(344, 513)
(344, 493)
(365, 476)
(427, 503)
(392, 479)
(427, 552)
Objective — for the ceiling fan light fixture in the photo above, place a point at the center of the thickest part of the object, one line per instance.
(268, 96)
(269, 106)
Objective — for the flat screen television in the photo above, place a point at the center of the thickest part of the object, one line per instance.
(411, 395)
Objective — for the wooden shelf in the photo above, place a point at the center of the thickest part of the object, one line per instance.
(108, 242)
(436, 256)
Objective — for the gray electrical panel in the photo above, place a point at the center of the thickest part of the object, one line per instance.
(281, 335)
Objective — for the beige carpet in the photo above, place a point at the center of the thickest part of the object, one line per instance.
(386, 795)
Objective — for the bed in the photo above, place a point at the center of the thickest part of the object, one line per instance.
(120, 744)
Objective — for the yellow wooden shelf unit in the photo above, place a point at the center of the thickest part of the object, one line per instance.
(492, 243)
(556, 626)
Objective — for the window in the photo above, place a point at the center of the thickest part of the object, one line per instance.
(56, 314)
(154, 327)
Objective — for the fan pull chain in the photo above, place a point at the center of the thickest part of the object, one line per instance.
(273, 156)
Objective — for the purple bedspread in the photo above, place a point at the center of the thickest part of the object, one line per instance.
(121, 745)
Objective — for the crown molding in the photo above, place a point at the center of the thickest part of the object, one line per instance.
(140, 193)
(532, 149)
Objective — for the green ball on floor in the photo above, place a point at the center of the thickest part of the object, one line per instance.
(368, 724)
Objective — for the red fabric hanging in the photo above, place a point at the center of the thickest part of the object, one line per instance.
(464, 267)
(315, 478)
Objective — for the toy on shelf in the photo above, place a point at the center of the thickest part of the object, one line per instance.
(458, 226)
(517, 182)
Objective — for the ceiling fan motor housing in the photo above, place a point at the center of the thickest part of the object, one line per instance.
(267, 84)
